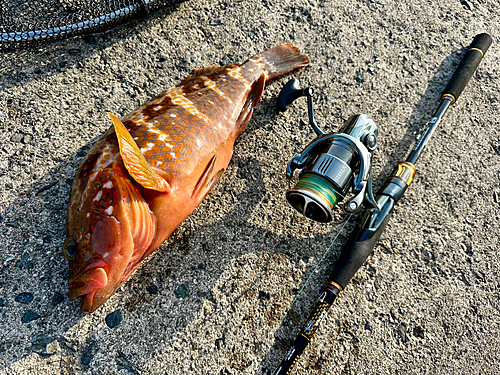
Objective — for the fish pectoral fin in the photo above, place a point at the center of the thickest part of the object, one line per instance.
(198, 189)
(252, 100)
(135, 162)
(216, 178)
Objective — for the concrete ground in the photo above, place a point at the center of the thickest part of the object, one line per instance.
(213, 298)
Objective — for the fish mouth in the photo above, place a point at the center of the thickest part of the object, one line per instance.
(88, 284)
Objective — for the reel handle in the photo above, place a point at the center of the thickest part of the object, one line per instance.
(467, 67)
(291, 92)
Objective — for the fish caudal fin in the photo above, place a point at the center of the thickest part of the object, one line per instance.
(135, 162)
(280, 60)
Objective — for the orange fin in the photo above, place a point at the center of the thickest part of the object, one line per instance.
(206, 71)
(135, 162)
(203, 181)
(280, 60)
(216, 178)
(251, 102)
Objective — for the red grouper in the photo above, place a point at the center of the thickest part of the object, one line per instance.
(147, 173)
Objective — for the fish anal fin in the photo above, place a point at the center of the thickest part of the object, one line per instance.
(199, 188)
(251, 102)
(135, 162)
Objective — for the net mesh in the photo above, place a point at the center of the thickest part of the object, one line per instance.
(24, 21)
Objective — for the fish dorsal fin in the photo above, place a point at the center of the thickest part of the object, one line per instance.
(204, 179)
(135, 162)
(206, 71)
(251, 102)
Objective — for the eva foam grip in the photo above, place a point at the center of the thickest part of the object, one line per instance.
(354, 255)
(467, 67)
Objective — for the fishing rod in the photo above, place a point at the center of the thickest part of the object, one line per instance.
(334, 164)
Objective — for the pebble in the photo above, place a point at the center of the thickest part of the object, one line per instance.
(27, 139)
(53, 347)
(46, 187)
(81, 153)
(39, 343)
(88, 354)
(16, 138)
(13, 224)
(57, 298)
(152, 289)
(368, 327)
(74, 52)
(24, 298)
(25, 262)
(401, 332)
(182, 291)
(264, 295)
(124, 364)
(90, 40)
(418, 332)
(114, 319)
(4, 346)
(29, 316)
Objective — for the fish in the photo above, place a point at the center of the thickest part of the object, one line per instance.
(152, 168)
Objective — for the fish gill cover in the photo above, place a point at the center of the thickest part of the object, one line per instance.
(32, 22)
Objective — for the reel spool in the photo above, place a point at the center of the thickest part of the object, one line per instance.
(332, 165)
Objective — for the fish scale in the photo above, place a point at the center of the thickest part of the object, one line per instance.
(147, 173)
(185, 104)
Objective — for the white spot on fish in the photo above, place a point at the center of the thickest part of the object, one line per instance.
(105, 255)
(109, 210)
(98, 195)
(173, 115)
(108, 185)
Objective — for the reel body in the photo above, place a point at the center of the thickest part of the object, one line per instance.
(332, 165)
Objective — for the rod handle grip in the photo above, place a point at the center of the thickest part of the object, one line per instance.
(355, 253)
(467, 67)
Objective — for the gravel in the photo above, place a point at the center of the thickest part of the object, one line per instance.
(213, 298)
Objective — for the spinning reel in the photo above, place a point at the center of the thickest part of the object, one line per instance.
(332, 165)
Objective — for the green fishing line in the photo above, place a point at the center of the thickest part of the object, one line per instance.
(320, 187)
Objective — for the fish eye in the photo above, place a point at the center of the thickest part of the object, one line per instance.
(69, 249)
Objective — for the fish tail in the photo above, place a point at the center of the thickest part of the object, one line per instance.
(280, 60)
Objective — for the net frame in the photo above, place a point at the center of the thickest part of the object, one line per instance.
(27, 22)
